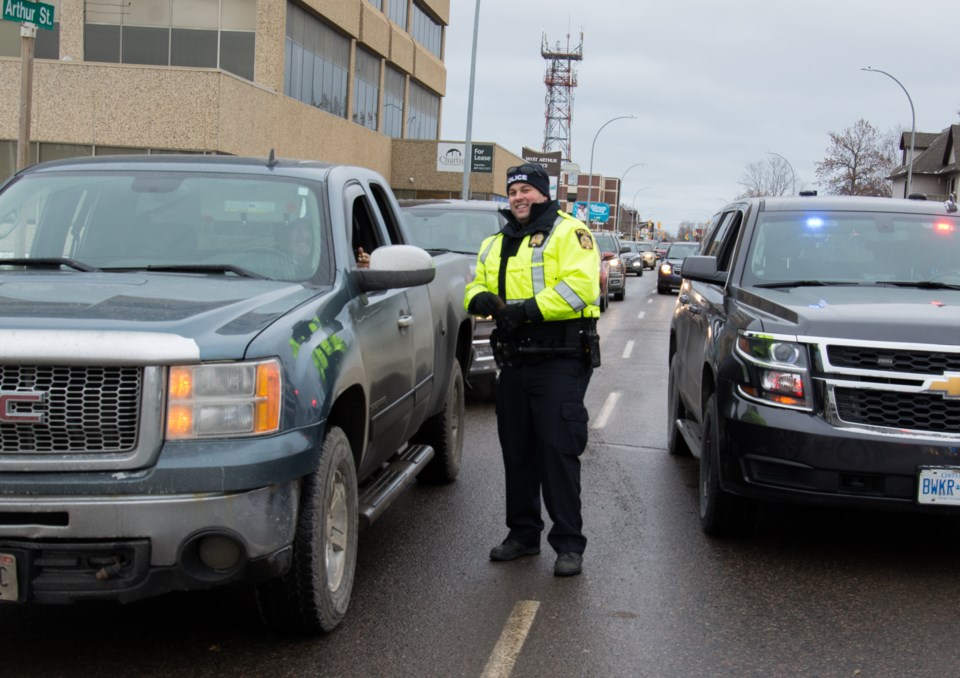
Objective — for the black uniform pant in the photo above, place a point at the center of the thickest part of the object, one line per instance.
(542, 424)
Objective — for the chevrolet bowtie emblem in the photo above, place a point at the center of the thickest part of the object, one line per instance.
(949, 386)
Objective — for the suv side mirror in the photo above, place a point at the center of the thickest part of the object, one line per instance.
(703, 269)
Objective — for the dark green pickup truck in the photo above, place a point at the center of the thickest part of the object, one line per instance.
(200, 386)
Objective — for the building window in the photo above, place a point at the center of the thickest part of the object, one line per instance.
(394, 83)
(426, 30)
(424, 113)
(366, 89)
(47, 44)
(377, 3)
(397, 12)
(191, 33)
(317, 62)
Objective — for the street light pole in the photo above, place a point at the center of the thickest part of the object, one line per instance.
(468, 145)
(592, 147)
(908, 189)
(792, 173)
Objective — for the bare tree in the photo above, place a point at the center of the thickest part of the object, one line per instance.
(858, 162)
(771, 176)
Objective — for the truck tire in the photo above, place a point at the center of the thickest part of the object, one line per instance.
(313, 596)
(444, 433)
(721, 514)
(676, 445)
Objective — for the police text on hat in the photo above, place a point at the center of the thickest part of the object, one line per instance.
(531, 174)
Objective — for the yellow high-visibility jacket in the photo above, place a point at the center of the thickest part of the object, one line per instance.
(560, 269)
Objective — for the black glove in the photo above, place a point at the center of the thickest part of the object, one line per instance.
(512, 317)
(485, 303)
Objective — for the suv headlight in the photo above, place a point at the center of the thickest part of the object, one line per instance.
(225, 399)
(778, 370)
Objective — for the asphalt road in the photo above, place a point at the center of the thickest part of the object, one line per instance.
(812, 594)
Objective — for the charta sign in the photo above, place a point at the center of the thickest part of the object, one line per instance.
(450, 157)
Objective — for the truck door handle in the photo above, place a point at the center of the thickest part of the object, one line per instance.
(405, 321)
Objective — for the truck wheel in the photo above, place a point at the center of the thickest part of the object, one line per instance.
(622, 293)
(312, 597)
(444, 433)
(676, 445)
(721, 514)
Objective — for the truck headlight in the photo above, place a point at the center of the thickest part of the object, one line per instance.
(777, 370)
(224, 399)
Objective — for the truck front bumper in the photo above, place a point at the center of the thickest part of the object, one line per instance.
(126, 548)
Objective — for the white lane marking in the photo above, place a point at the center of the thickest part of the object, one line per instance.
(512, 638)
(650, 300)
(607, 410)
(642, 313)
(628, 349)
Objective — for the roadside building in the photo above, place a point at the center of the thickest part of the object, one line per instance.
(354, 81)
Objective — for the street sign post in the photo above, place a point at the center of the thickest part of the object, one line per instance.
(30, 15)
(40, 14)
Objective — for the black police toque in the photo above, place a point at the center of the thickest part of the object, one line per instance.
(530, 173)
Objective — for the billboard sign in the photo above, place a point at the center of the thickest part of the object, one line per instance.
(599, 212)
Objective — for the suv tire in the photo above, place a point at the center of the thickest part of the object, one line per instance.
(721, 514)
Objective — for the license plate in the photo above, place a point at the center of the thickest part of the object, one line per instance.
(9, 590)
(939, 486)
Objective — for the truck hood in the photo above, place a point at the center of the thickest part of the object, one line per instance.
(904, 315)
(220, 314)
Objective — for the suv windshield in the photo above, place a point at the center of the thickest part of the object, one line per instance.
(853, 247)
(607, 242)
(188, 221)
(679, 250)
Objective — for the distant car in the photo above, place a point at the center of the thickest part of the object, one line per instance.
(668, 275)
(609, 244)
(460, 226)
(632, 262)
(648, 254)
(661, 248)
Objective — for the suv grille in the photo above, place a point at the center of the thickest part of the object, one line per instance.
(85, 409)
(893, 360)
(891, 409)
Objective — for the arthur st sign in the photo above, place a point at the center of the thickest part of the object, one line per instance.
(40, 14)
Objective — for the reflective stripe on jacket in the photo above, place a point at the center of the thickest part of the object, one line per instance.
(560, 269)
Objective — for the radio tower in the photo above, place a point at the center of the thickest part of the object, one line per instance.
(561, 78)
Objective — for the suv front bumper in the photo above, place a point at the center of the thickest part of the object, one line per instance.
(777, 454)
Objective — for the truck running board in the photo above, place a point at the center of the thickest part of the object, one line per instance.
(689, 432)
(387, 484)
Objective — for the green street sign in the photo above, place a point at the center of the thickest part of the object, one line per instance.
(40, 14)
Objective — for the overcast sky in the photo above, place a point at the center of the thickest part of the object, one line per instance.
(715, 85)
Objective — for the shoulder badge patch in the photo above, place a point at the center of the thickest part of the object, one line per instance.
(536, 240)
(586, 241)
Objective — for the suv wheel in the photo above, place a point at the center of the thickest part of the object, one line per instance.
(676, 445)
(721, 514)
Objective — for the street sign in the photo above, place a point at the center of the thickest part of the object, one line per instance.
(40, 14)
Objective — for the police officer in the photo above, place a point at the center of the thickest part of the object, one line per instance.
(540, 278)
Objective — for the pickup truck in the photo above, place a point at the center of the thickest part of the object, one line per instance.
(199, 385)
(814, 358)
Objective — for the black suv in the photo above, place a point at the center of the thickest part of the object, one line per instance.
(815, 357)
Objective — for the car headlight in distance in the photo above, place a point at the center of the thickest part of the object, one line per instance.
(778, 370)
(223, 399)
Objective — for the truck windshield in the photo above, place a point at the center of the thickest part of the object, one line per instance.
(854, 247)
(191, 221)
(456, 230)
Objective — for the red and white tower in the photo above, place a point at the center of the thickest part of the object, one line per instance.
(560, 78)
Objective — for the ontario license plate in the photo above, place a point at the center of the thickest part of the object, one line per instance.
(939, 486)
(9, 589)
